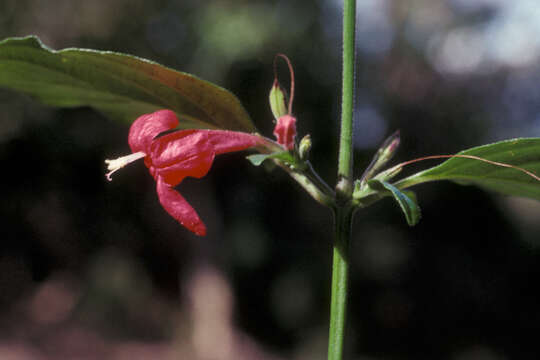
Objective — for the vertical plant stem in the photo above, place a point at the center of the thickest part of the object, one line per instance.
(343, 211)
(340, 270)
(347, 100)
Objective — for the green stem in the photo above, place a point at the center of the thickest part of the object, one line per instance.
(347, 101)
(343, 220)
(343, 210)
(313, 185)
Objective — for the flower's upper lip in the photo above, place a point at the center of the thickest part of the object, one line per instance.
(143, 130)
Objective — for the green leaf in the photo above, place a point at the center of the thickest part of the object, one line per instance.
(258, 159)
(523, 153)
(407, 203)
(118, 85)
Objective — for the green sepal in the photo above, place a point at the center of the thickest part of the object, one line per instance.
(407, 201)
(388, 174)
(277, 100)
(285, 156)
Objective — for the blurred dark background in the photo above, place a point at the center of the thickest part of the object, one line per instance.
(97, 270)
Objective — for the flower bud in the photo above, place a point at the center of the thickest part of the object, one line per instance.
(304, 147)
(383, 155)
(277, 100)
(389, 147)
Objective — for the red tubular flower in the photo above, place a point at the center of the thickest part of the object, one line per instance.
(172, 157)
(285, 131)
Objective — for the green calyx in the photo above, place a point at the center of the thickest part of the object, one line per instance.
(278, 101)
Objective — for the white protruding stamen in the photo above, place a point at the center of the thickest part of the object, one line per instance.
(116, 164)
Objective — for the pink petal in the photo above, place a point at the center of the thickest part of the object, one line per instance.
(191, 152)
(147, 127)
(225, 141)
(168, 148)
(177, 146)
(181, 154)
(179, 208)
(195, 166)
